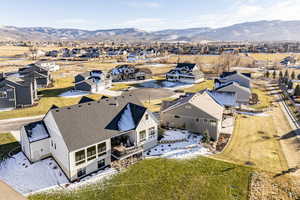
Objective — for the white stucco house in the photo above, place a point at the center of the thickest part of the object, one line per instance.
(87, 137)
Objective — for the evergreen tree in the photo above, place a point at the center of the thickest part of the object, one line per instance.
(280, 75)
(286, 74)
(274, 74)
(297, 90)
(290, 85)
(267, 74)
(293, 75)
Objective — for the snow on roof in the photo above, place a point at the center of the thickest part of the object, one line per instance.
(224, 98)
(126, 121)
(38, 132)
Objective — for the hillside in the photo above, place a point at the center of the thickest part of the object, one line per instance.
(249, 31)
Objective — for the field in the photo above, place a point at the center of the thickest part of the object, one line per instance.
(255, 142)
(208, 84)
(200, 178)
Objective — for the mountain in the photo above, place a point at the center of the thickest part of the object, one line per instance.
(249, 31)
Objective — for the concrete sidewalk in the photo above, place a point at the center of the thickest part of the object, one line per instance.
(7, 193)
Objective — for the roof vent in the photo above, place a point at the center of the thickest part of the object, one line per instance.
(89, 104)
(69, 108)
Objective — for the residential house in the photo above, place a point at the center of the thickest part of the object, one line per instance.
(199, 113)
(92, 81)
(186, 73)
(243, 94)
(237, 82)
(86, 137)
(129, 72)
(244, 79)
(17, 92)
(39, 73)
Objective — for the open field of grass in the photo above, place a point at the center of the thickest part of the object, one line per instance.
(255, 142)
(7, 144)
(264, 99)
(208, 84)
(200, 178)
(275, 57)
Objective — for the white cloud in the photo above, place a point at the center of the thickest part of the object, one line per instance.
(247, 11)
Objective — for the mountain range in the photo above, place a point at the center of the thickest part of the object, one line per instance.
(250, 31)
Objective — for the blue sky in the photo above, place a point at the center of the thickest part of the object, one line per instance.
(143, 14)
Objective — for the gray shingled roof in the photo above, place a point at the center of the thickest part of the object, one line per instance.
(85, 124)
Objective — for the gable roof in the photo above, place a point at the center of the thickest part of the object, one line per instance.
(87, 123)
(225, 74)
(235, 84)
(85, 99)
(188, 65)
(203, 101)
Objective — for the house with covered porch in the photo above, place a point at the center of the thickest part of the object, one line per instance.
(89, 136)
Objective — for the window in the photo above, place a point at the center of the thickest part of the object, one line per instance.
(101, 163)
(147, 116)
(55, 146)
(176, 116)
(213, 122)
(142, 135)
(80, 157)
(3, 94)
(91, 153)
(101, 149)
(152, 132)
(197, 119)
(81, 172)
(51, 143)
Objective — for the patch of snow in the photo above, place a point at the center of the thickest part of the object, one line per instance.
(6, 109)
(74, 94)
(126, 121)
(261, 114)
(38, 132)
(190, 147)
(26, 178)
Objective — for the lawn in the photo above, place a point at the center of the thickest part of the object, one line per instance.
(7, 144)
(49, 97)
(255, 142)
(200, 178)
(154, 105)
(208, 84)
(264, 99)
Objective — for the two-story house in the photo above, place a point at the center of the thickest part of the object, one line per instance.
(92, 81)
(186, 73)
(86, 137)
(39, 73)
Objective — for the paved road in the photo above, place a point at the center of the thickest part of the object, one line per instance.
(8, 125)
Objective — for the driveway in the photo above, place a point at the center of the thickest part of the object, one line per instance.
(7, 193)
(144, 94)
(8, 125)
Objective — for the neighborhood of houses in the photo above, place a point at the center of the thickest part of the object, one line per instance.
(111, 132)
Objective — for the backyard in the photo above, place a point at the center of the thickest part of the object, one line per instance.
(255, 143)
(200, 178)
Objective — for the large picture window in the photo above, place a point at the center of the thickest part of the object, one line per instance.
(142, 135)
(80, 157)
(91, 153)
(101, 149)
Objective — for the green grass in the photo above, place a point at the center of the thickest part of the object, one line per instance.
(49, 97)
(200, 178)
(7, 144)
(208, 84)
